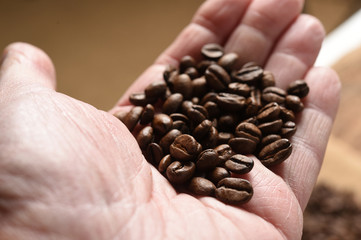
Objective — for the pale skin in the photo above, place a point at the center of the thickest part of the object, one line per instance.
(71, 171)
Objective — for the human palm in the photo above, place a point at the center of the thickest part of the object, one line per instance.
(71, 171)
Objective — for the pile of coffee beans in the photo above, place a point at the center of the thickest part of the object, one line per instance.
(332, 214)
(200, 125)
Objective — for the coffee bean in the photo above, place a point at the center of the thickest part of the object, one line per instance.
(162, 123)
(217, 78)
(288, 129)
(202, 129)
(287, 115)
(268, 80)
(249, 75)
(147, 114)
(199, 86)
(172, 103)
(274, 94)
(269, 112)
(228, 61)
(186, 105)
(269, 139)
(210, 140)
(241, 89)
(224, 152)
(180, 172)
(275, 152)
(164, 163)
(212, 51)
(217, 174)
(247, 137)
(155, 153)
(298, 88)
(248, 130)
(242, 145)
(234, 190)
(139, 99)
(131, 119)
(197, 114)
(145, 137)
(212, 109)
(185, 148)
(168, 139)
(207, 159)
(224, 137)
(201, 186)
(168, 71)
(228, 122)
(253, 103)
(209, 97)
(181, 126)
(294, 103)
(183, 85)
(155, 89)
(203, 65)
(231, 102)
(186, 62)
(239, 164)
(192, 72)
(270, 127)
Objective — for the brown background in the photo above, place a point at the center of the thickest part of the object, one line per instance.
(100, 47)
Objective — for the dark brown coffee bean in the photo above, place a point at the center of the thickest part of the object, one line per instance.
(273, 94)
(201, 186)
(185, 148)
(268, 80)
(199, 86)
(224, 137)
(192, 72)
(207, 159)
(241, 89)
(269, 112)
(217, 174)
(298, 88)
(139, 99)
(162, 123)
(212, 51)
(212, 109)
(288, 129)
(186, 62)
(180, 172)
(253, 102)
(168, 71)
(155, 89)
(249, 75)
(275, 152)
(179, 116)
(120, 115)
(197, 114)
(228, 122)
(164, 163)
(186, 105)
(147, 114)
(217, 78)
(294, 103)
(172, 103)
(145, 137)
(224, 152)
(234, 191)
(242, 145)
(132, 118)
(270, 127)
(228, 61)
(269, 139)
(239, 164)
(181, 126)
(154, 153)
(209, 97)
(210, 140)
(231, 102)
(183, 85)
(250, 64)
(202, 129)
(168, 139)
(203, 65)
(287, 115)
(249, 131)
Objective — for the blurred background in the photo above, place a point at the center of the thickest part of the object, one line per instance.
(100, 47)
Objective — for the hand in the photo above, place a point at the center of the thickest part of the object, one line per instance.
(70, 171)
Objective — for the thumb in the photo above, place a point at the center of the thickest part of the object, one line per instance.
(24, 66)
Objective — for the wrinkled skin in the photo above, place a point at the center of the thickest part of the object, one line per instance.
(71, 171)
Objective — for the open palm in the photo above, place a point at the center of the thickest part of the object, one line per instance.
(71, 171)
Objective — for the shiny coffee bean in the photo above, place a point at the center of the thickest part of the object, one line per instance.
(253, 102)
(275, 152)
(200, 87)
(288, 129)
(217, 174)
(183, 85)
(192, 72)
(172, 103)
(234, 190)
(224, 152)
(139, 99)
(210, 140)
(268, 80)
(228, 122)
(145, 137)
(197, 114)
(209, 97)
(249, 75)
(274, 94)
(155, 89)
(212, 109)
(201, 186)
(168, 139)
(186, 62)
(155, 153)
(169, 69)
(147, 114)
(239, 164)
(231, 102)
(241, 89)
(202, 129)
(131, 119)
(298, 88)
(162, 123)
(179, 116)
(287, 115)
(248, 130)
(203, 65)
(269, 112)
(294, 103)
(180, 172)
(224, 137)
(185, 148)
(270, 127)
(207, 159)
(269, 139)
(181, 126)
(242, 145)
(164, 163)
(228, 61)
(217, 78)
(212, 51)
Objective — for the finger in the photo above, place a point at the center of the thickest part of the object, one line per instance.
(296, 51)
(213, 22)
(261, 27)
(24, 66)
(314, 128)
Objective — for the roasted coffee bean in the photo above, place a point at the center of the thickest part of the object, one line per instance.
(273, 94)
(139, 99)
(162, 123)
(217, 174)
(249, 131)
(186, 105)
(197, 114)
(249, 75)
(168, 139)
(210, 140)
(147, 114)
(228, 61)
(202, 129)
(185, 148)
(180, 172)
(199, 86)
(192, 72)
(179, 116)
(298, 88)
(234, 190)
(183, 85)
(275, 152)
(212, 51)
(269, 112)
(120, 115)
(212, 109)
(242, 145)
(217, 78)
(155, 89)
(209, 97)
(203, 65)
(231, 102)
(224, 152)
(241, 89)
(288, 129)
(145, 137)
(186, 62)
(131, 119)
(250, 64)
(239, 164)
(164, 163)
(195, 100)
(294, 103)
(287, 115)
(181, 126)
(201, 186)
(270, 127)
(169, 69)
(207, 159)
(253, 103)
(172, 103)
(155, 153)
(228, 122)
(268, 80)
(269, 139)
(224, 137)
